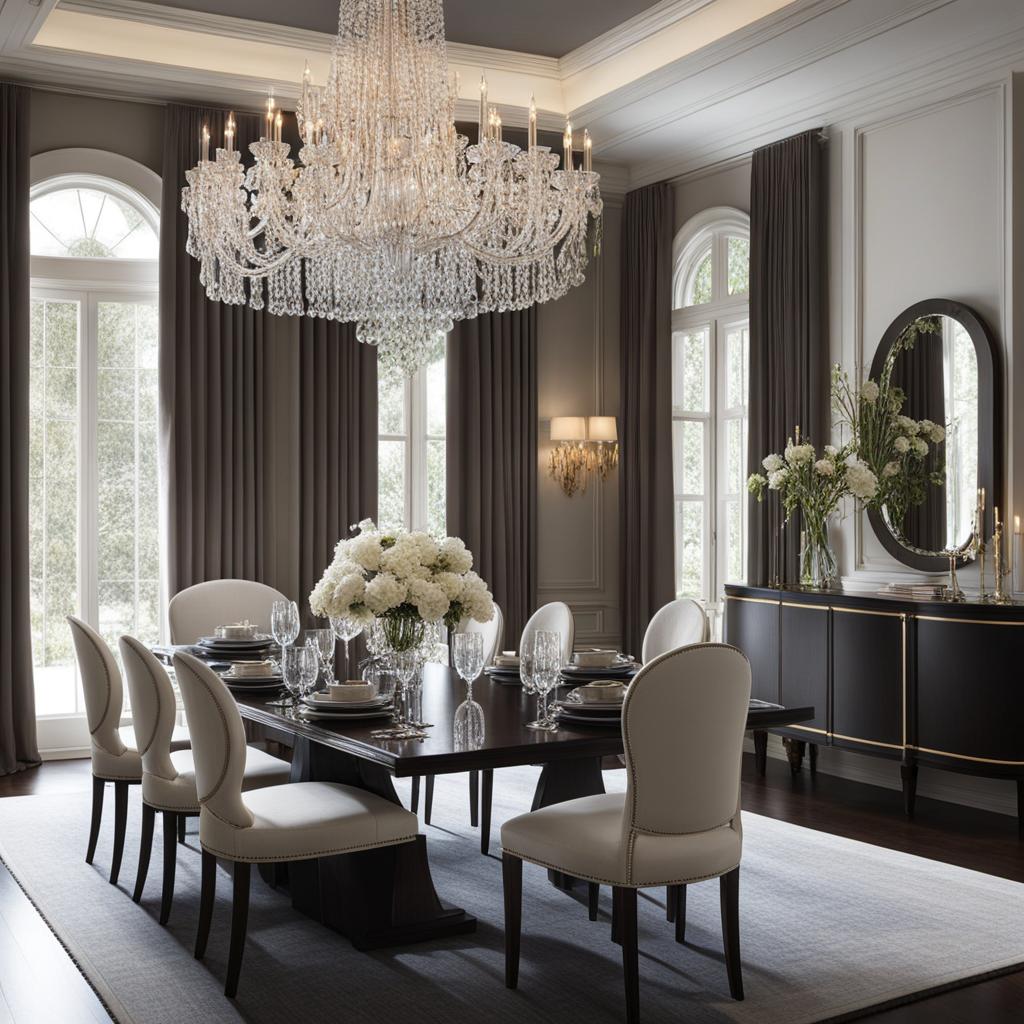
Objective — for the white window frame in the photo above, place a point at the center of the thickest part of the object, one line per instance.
(724, 313)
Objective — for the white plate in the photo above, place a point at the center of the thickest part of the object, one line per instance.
(574, 716)
(380, 713)
(213, 643)
(619, 668)
(318, 701)
(578, 707)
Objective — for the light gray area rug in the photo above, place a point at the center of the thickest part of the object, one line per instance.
(829, 927)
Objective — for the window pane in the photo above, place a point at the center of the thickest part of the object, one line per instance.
(53, 491)
(391, 404)
(698, 288)
(128, 544)
(734, 568)
(735, 456)
(688, 456)
(737, 343)
(436, 488)
(690, 370)
(90, 222)
(436, 398)
(391, 484)
(739, 266)
(689, 548)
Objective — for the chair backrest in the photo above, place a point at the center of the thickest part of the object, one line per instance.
(198, 610)
(677, 624)
(101, 686)
(491, 631)
(556, 616)
(683, 722)
(154, 708)
(218, 740)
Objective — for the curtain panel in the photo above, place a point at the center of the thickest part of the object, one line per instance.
(789, 345)
(492, 455)
(268, 423)
(647, 496)
(18, 748)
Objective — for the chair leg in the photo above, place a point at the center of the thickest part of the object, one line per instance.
(428, 800)
(729, 887)
(170, 862)
(207, 893)
(486, 792)
(593, 894)
(474, 798)
(680, 915)
(145, 849)
(414, 800)
(630, 952)
(120, 827)
(512, 883)
(181, 829)
(616, 917)
(97, 817)
(670, 903)
(239, 923)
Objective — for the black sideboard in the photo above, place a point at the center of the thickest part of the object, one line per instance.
(919, 682)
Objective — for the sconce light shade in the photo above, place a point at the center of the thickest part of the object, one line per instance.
(568, 428)
(602, 428)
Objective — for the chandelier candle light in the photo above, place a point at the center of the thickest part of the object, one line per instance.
(389, 217)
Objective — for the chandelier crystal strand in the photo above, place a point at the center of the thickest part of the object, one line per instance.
(389, 217)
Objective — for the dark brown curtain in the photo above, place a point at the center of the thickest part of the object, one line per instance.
(268, 423)
(492, 455)
(647, 572)
(921, 375)
(788, 330)
(18, 747)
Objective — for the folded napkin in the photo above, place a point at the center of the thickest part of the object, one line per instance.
(252, 668)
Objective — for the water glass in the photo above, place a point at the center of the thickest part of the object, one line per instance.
(527, 667)
(309, 667)
(468, 650)
(323, 641)
(293, 660)
(547, 655)
(284, 624)
(346, 629)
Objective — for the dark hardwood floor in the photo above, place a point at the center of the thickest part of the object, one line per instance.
(973, 839)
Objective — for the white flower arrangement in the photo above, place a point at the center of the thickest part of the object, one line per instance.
(401, 578)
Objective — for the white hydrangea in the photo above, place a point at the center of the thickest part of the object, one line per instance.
(869, 392)
(799, 454)
(909, 426)
(890, 469)
(831, 451)
(937, 434)
(384, 592)
(861, 481)
(454, 556)
(451, 583)
(772, 462)
(824, 467)
(902, 445)
(366, 551)
(777, 479)
(431, 601)
(920, 446)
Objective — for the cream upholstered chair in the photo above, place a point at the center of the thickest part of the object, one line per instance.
(678, 821)
(557, 617)
(492, 632)
(298, 821)
(114, 756)
(168, 779)
(198, 610)
(676, 624)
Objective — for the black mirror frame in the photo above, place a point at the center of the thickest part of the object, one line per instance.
(990, 427)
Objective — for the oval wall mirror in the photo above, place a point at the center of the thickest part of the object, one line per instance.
(951, 377)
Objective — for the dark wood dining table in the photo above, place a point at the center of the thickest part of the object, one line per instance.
(386, 897)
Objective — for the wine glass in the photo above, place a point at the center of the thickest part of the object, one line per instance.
(404, 665)
(292, 661)
(468, 649)
(528, 666)
(323, 641)
(284, 623)
(309, 667)
(346, 629)
(547, 654)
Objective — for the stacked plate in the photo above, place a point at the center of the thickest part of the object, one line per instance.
(508, 674)
(320, 705)
(623, 668)
(221, 648)
(249, 683)
(573, 710)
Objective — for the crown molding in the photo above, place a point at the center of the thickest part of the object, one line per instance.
(636, 29)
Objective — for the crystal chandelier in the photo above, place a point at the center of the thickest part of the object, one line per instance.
(390, 218)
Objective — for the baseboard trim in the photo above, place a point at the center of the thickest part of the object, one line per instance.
(64, 753)
(997, 795)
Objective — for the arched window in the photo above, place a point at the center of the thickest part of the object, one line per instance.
(94, 512)
(710, 333)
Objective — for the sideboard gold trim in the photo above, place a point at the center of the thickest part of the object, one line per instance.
(807, 728)
(868, 611)
(872, 743)
(967, 757)
(800, 604)
(753, 600)
(970, 622)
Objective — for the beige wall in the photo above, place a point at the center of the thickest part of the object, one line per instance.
(721, 186)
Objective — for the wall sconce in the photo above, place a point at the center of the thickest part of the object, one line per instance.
(584, 445)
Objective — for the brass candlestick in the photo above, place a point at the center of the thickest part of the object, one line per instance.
(1000, 596)
(954, 591)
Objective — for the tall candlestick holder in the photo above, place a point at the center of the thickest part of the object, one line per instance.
(1000, 596)
(953, 591)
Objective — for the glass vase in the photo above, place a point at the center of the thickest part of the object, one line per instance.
(819, 567)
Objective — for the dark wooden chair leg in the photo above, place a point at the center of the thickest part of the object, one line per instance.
(474, 798)
(616, 916)
(145, 849)
(486, 793)
(207, 893)
(97, 817)
(630, 952)
(760, 751)
(812, 749)
(670, 903)
(181, 828)
(680, 915)
(593, 896)
(120, 827)
(512, 884)
(239, 923)
(170, 862)
(729, 889)
(414, 799)
(428, 800)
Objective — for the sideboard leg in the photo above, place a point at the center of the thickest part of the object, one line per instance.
(795, 753)
(760, 751)
(1020, 808)
(908, 773)
(813, 751)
